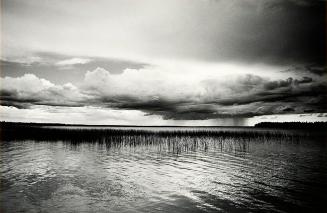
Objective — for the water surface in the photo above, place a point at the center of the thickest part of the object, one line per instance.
(230, 175)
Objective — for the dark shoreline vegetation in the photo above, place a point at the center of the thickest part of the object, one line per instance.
(293, 125)
(44, 132)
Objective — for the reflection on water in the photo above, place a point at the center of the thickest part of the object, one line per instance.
(227, 176)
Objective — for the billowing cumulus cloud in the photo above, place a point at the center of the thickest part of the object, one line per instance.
(174, 59)
(204, 97)
(30, 90)
(172, 94)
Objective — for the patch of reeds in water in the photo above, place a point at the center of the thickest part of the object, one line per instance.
(175, 140)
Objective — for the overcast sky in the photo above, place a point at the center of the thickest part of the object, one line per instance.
(172, 62)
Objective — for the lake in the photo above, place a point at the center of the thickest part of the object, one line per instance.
(166, 173)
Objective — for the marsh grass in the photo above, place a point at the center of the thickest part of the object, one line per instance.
(25, 132)
(177, 141)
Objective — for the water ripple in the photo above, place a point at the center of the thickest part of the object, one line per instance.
(59, 176)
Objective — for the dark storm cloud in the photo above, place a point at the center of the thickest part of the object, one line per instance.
(249, 96)
(313, 69)
(318, 70)
(276, 32)
(298, 95)
(182, 60)
(254, 31)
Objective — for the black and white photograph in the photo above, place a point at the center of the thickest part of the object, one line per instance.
(170, 106)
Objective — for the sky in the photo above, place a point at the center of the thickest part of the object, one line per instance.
(172, 62)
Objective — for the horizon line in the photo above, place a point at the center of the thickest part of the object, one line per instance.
(117, 125)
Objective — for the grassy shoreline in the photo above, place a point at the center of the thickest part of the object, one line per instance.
(25, 131)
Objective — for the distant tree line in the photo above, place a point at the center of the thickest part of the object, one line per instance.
(293, 125)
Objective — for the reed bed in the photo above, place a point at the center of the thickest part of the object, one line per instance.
(134, 136)
(41, 133)
(175, 141)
